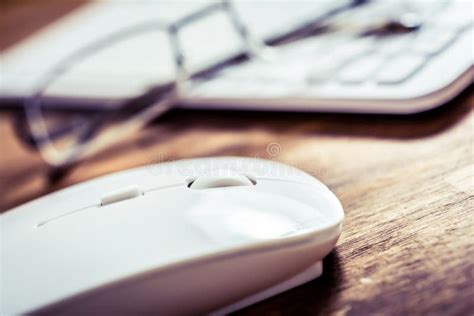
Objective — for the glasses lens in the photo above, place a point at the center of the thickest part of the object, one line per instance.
(90, 88)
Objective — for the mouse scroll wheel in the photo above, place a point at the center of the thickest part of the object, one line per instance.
(211, 182)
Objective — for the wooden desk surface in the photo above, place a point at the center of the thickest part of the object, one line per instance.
(406, 183)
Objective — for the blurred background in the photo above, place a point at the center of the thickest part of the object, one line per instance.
(79, 77)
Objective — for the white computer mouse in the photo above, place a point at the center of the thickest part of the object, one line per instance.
(185, 237)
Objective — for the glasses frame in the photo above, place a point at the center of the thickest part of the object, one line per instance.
(89, 142)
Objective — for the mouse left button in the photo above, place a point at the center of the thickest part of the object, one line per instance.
(121, 194)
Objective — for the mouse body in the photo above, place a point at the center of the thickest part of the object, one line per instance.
(176, 238)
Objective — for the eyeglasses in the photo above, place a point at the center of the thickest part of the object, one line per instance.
(65, 137)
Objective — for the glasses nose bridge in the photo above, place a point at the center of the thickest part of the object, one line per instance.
(250, 43)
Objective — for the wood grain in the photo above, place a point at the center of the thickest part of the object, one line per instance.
(406, 183)
(20, 18)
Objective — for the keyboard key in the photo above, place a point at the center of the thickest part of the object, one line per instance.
(427, 8)
(305, 48)
(399, 69)
(244, 70)
(225, 87)
(289, 71)
(433, 41)
(394, 44)
(456, 16)
(360, 70)
(326, 67)
(324, 70)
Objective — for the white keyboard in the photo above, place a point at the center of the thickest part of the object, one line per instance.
(130, 67)
(402, 73)
(336, 72)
